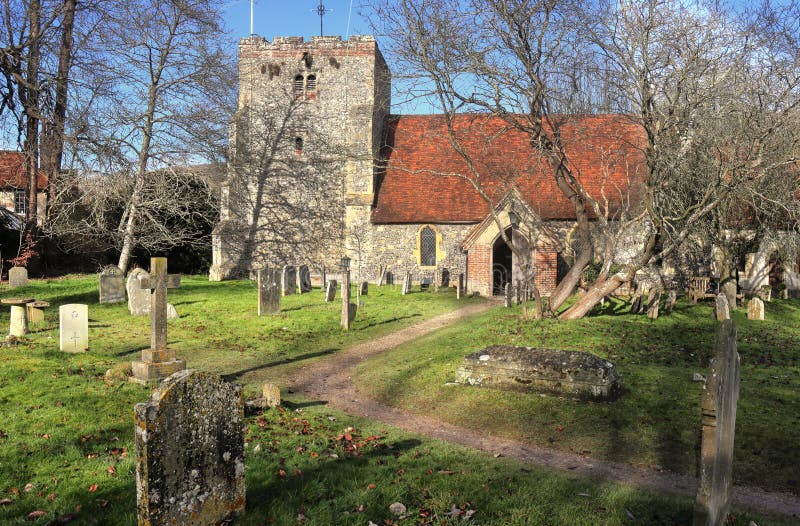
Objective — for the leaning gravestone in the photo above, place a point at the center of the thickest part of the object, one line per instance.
(73, 327)
(190, 451)
(269, 295)
(112, 285)
(406, 284)
(303, 279)
(721, 310)
(288, 280)
(17, 277)
(138, 298)
(330, 291)
(572, 373)
(720, 397)
(755, 309)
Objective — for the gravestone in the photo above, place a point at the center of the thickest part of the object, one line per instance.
(653, 300)
(791, 281)
(572, 373)
(73, 327)
(303, 279)
(35, 311)
(288, 280)
(330, 291)
(364, 288)
(347, 316)
(460, 287)
(444, 278)
(269, 294)
(189, 439)
(406, 284)
(158, 361)
(509, 296)
(755, 309)
(272, 396)
(672, 298)
(729, 289)
(18, 325)
(719, 400)
(172, 312)
(112, 285)
(721, 310)
(765, 293)
(138, 298)
(382, 276)
(17, 277)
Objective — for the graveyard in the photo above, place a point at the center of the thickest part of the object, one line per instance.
(67, 432)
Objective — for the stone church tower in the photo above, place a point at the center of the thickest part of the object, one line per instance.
(303, 144)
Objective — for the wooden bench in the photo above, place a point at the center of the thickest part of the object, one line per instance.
(697, 288)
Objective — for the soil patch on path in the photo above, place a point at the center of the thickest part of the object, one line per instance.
(330, 380)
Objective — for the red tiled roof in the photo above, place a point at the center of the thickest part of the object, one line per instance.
(12, 171)
(423, 180)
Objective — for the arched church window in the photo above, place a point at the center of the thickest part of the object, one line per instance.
(298, 145)
(427, 247)
(298, 86)
(311, 86)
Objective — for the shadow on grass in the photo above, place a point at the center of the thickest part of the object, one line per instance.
(233, 376)
(300, 405)
(391, 320)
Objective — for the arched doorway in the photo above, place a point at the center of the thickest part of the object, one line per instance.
(502, 264)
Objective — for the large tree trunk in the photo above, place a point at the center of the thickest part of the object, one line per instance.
(597, 291)
(32, 115)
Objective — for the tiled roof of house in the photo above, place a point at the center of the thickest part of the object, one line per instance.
(12, 171)
(424, 180)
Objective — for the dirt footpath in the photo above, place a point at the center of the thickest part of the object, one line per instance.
(330, 380)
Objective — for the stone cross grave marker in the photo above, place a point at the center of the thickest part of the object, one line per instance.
(755, 309)
(330, 291)
(303, 279)
(138, 298)
(112, 285)
(189, 439)
(288, 280)
(719, 400)
(73, 327)
(157, 362)
(269, 295)
(17, 277)
(406, 284)
(721, 310)
(508, 294)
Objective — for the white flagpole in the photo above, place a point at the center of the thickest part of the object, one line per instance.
(251, 17)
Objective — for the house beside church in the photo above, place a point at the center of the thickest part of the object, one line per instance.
(13, 182)
(319, 169)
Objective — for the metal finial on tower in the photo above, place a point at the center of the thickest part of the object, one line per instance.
(322, 11)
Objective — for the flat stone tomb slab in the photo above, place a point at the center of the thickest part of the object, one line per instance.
(570, 373)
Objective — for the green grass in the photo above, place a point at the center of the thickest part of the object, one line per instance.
(66, 431)
(655, 423)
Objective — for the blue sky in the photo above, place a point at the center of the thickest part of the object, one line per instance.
(293, 18)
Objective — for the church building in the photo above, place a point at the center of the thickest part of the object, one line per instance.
(320, 169)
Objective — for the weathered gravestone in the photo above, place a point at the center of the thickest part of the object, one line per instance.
(272, 396)
(35, 311)
(720, 397)
(288, 280)
(729, 289)
(444, 278)
(653, 300)
(18, 324)
(382, 276)
(158, 361)
(572, 373)
(364, 290)
(17, 277)
(112, 285)
(172, 312)
(138, 298)
(672, 298)
(755, 309)
(189, 440)
(460, 287)
(765, 293)
(73, 327)
(330, 291)
(406, 284)
(509, 295)
(269, 294)
(721, 310)
(791, 281)
(303, 279)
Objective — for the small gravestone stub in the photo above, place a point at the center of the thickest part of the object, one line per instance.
(17, 277)
(112, 285)
(721, 310)
(172, 312)
(269, 293)
(18, 325)
(653, 300)
(73, 325)
(272, 396)
(755, 309)
(509, 298)
(303, 279)
(719, 401)
(672, 298)
(330, 291)
(189, 439)
(364, 291)
(351, 313)
(138, 298)
(288, 280)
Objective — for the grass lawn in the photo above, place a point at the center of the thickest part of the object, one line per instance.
(655, 423)
(66, 431)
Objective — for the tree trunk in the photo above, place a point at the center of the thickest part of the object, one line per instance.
(596, 292)
(32, 114)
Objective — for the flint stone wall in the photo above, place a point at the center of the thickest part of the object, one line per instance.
(189, 440)
(571, 373)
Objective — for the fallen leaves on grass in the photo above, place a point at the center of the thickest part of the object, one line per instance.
(5, 502)
(92, 488)
(36, 514)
